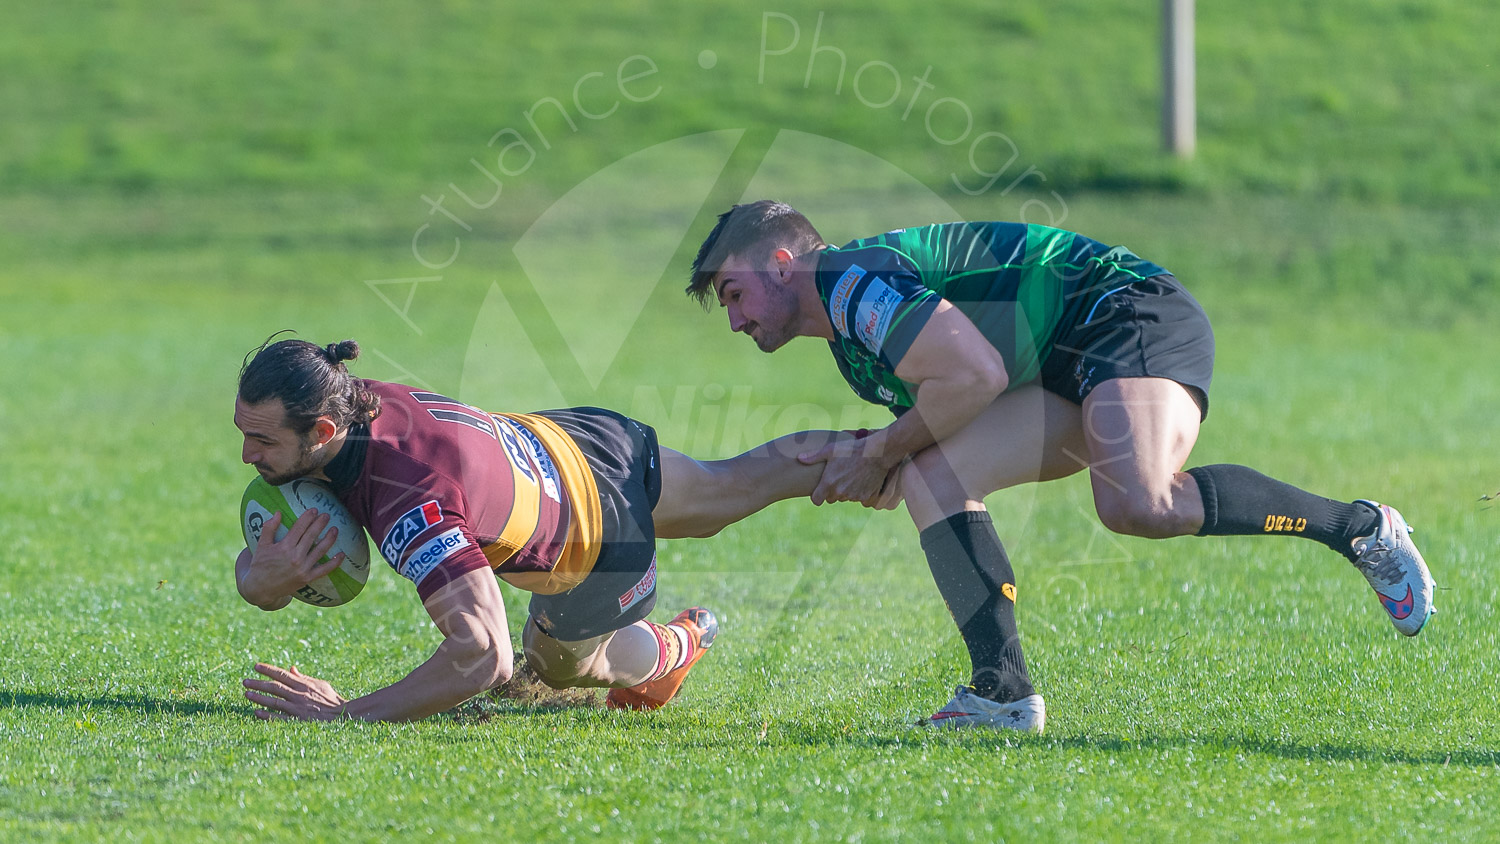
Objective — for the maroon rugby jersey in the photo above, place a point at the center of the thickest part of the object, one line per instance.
(444, 488)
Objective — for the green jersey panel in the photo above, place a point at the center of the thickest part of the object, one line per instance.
(1020, 284)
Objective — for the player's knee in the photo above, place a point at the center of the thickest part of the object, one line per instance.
(1137, 515)
(554, 666)
(557, 673)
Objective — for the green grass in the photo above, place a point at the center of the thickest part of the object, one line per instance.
(1346, 98)
(176, 186)
(1198, 688)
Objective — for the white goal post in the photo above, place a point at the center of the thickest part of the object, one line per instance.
(1179, 111)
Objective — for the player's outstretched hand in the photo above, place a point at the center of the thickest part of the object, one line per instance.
(290, 694)
(279, 568)
(852, 472)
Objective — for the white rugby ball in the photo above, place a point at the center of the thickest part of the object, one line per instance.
(291, 500)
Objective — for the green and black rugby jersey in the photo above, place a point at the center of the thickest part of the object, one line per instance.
(1020, 284)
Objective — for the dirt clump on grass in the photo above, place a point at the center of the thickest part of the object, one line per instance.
(526, 688)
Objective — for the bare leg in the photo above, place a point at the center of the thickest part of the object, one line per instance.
(622, 658)
(1140, 432)
(701, 497)
(1024, 436)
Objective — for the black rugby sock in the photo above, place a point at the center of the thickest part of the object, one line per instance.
(1239, 501)
(977, 583)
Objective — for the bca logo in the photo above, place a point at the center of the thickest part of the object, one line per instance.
(407, 528)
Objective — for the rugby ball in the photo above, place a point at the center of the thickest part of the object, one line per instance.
(291, 500)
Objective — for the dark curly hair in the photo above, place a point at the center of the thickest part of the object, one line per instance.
(309, 380)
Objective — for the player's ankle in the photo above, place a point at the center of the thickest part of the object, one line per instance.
(1001, 685)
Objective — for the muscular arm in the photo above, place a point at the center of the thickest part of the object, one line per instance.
(957, 372)
(475, 655)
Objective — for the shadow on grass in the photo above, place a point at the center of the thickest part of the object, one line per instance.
(1468, 758)
(117, 702)
(799, 736)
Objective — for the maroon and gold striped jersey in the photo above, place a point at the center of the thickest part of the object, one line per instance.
(444, 489)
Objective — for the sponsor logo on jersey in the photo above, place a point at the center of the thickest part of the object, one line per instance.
(550, 476)
(423, 560)
(409, 527)
(838, 300)
(510, 438)
(637, 593)
(872, 317)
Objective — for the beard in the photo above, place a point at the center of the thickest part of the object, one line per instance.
(777, 330)
(769, 341)
(304, 465)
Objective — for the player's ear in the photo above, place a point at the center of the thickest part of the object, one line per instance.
(324, 430)
(783, 261)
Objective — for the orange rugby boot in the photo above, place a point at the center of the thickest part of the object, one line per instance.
(701, 627)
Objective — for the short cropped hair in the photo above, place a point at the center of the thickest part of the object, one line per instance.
(751, 231)
(310, 381)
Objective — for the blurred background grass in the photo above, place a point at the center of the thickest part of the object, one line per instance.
(1348, 151)
(1389, 101)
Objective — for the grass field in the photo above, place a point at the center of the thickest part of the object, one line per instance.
(174, 186)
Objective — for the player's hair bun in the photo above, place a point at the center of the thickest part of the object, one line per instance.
(310, 381)
(342, 350)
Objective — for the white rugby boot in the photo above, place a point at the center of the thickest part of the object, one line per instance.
(967, 709)
(1394, 567)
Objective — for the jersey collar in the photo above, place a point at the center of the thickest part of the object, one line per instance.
(345, 468)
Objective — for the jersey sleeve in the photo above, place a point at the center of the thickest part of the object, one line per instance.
(879, 302)
(429, 543)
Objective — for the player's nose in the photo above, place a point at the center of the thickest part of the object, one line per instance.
(736, 319)
(249, 454)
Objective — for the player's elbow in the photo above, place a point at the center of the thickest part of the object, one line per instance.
(500, 667)
(484, 663)
(986, 375)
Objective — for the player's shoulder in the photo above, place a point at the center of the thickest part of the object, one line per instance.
(420, 433)
(857, 258)
(933, 245)
(390, 390)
